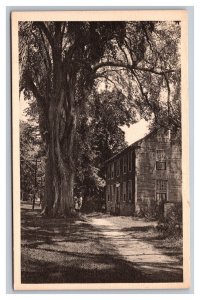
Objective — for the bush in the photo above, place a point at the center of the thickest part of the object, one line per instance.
(92, 204)
(149, 210)
(171, 225)
(169, 221)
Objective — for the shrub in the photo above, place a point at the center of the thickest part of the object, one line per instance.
(149, 210)
(171, 225)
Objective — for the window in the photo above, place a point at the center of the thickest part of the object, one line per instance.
(160, 155)
(164, 137)
(112, 170)
(160, 160)
(161, 197)
(161, 191)
(125, 164)
(117, 194)
(111, 192)
(108, 193)
(160, 137)
(130, 161)
(118, 168)
(161, 185)
(124, 191)
(161, 165)
(130, 191)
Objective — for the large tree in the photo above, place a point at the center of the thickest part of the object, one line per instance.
(61, 62)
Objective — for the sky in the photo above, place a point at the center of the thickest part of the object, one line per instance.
(135, 131)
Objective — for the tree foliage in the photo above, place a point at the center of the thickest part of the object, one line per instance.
(99, 136)
(31, 149)
(63, 63)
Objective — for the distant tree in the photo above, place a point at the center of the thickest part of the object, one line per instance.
(30, 150)
(61, 62)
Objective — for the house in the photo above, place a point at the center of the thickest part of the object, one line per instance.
(146, 177)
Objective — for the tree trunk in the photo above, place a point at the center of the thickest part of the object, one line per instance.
(59, 181)
(60, 170)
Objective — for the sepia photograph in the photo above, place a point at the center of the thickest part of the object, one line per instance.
(100, 150)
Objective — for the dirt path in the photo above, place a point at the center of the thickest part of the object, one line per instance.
(134, 245)
(91, 249)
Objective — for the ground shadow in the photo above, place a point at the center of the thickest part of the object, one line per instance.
(73, 251)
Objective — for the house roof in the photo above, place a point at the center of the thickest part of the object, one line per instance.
(133, 145)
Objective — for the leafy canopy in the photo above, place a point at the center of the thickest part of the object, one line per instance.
(117, 70)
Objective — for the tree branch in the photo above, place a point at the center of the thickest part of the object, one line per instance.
(129, 67)
(144, 95)
(106, 78)
(168, 94)
(124, 52)
(63, 29)
(42, 26)
(46, 50)
(31, 85)
(40, 48)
